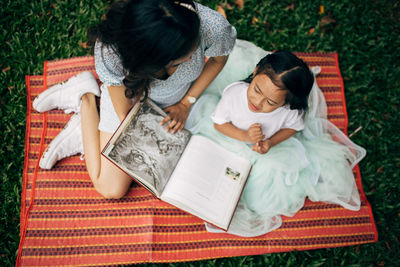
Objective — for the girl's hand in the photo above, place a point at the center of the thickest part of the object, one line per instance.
(262, 147)
(177, 115)
(254, 134)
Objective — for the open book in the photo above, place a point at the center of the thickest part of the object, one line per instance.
(188, 171)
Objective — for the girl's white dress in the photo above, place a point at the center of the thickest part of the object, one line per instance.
(233, 108)
(310, 164)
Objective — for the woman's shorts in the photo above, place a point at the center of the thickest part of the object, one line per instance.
(109, 120)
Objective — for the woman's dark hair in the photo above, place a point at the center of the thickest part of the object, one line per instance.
(289, 73)
(147, 35)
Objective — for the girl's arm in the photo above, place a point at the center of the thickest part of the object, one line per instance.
(252, 135)
(178, 113)
(121, 103)
(280, 136)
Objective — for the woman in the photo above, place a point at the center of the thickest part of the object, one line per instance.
(150, 48)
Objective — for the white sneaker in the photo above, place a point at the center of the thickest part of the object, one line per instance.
(67, 95)
(67, 143)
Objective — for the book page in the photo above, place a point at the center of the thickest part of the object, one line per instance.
(145, 151)
(207, 181)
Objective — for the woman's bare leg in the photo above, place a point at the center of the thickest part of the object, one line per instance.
(107, 178)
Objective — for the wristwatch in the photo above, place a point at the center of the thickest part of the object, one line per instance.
(191, 99)
(188, 100)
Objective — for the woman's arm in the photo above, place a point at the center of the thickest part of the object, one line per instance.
(211, 69)
(121, 103)
(178, 113)
(252, 135)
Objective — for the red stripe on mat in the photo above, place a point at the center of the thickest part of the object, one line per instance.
(25, 214)
(65, 222)
(346, 123)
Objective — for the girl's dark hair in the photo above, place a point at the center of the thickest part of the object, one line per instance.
(289, 73)
(147, 35)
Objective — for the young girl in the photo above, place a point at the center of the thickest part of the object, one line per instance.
(270, 109)
(266, 119)
(151, 48)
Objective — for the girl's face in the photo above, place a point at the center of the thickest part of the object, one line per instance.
(263, 96)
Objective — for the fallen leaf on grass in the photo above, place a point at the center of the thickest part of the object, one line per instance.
(6, 69)
(311, 31)
(226, 6)
(10, 88)
(83, 45)
(254, 21)
(221, 10)
(291, 7)
(327, 23)
(321, 9)
(380, 169)
(239, 4)
(326, 20)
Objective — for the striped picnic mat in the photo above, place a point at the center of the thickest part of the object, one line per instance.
(65, 222)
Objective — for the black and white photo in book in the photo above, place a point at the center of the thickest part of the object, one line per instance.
(192, 173)
(146, 149)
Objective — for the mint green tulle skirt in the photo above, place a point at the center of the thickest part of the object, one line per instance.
(315, 163)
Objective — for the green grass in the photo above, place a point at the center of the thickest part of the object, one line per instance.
(365, 33)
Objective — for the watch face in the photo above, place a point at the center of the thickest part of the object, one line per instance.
(191, 99)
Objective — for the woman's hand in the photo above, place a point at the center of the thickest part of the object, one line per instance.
(262, 147)
(177, 115)
(254, 134)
